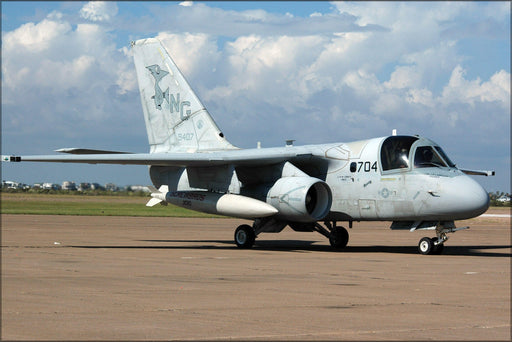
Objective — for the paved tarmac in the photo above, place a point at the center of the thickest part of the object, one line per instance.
(132, 278)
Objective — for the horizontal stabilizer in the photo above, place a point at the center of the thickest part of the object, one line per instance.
(74, 150)
(11, 158)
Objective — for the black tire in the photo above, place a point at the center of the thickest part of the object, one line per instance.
(426, 246)
(338, 238)
(245, 236)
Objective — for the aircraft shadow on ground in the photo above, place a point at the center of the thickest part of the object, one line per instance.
(311, 246)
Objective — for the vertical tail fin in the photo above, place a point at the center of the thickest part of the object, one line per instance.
(176, 120)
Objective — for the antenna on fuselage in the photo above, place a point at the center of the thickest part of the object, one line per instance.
(393, 133)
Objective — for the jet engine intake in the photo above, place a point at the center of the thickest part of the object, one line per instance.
(300, 199)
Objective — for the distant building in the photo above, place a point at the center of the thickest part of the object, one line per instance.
(51, 186)
(10, 185)
(111, 187)
(96, 186)
(84, 186)
(67, 185)
(24, 186)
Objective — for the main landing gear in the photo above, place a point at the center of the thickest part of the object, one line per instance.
(338, 236)
(245, 235)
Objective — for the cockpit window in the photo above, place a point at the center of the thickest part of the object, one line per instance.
(394, 153)
(426, 156)
(444, 156)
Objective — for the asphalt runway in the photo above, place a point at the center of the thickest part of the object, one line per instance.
(132, 278)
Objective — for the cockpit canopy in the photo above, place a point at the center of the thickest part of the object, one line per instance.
(397, 152)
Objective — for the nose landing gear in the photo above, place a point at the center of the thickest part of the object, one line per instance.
(435, 245)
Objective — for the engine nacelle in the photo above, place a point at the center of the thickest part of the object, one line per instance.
(300, 199)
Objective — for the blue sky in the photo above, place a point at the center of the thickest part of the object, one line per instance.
(320, 71)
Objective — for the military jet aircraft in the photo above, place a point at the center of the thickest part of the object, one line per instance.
(406, 180)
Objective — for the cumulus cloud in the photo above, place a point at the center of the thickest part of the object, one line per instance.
(55, 73)
(403, 77)
(420, 96)
(99, 10)
(36, 37)
(459, 89)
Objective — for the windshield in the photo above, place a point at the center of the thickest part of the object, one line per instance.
(444, 156)
(428, 156)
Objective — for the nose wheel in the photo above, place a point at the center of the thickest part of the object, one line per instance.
(430, 246)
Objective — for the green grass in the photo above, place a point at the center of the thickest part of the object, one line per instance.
(95, 206)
